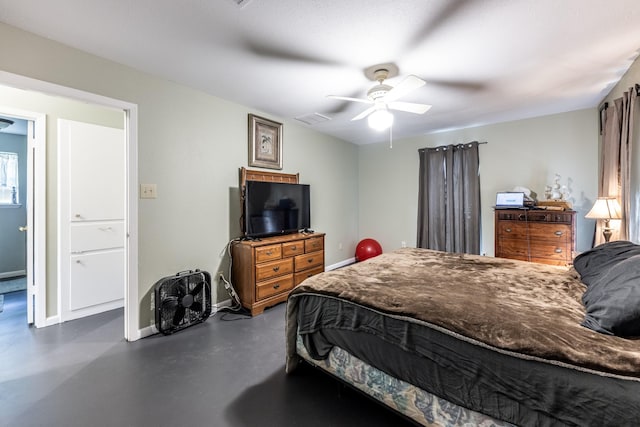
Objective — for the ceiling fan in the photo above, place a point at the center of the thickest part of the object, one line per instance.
(384, 97)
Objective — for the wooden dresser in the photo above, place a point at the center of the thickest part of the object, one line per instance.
(265, 271)
(547, 237)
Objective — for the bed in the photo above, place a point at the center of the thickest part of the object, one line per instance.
(463, 340)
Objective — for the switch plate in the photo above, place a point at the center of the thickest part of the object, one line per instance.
(148, 191)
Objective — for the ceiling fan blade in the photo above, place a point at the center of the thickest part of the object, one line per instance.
(409, 107)
(365, 113)
(407, 85)
(346, 98)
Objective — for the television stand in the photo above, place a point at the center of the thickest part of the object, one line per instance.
(265, 271)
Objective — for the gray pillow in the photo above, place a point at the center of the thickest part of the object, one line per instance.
(612, 301)
(596, 262)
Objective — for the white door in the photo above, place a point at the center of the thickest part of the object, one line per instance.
(92, 196)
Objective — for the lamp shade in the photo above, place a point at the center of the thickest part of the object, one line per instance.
(605, 208)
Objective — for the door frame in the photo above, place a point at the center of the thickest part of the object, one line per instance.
(131, 311)
(36, 212)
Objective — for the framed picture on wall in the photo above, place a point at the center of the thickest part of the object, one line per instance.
(265, 143)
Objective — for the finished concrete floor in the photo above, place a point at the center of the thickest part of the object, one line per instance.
(226, 372)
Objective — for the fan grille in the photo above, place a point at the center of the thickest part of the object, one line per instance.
(182, 300)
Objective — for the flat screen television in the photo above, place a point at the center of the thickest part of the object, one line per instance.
(272, 208)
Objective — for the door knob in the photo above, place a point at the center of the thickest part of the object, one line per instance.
(23, 228)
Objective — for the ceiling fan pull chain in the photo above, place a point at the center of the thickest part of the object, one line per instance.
(390, 136)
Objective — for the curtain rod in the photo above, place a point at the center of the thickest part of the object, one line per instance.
(444, 147)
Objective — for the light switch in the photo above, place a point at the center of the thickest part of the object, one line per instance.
(148, 191)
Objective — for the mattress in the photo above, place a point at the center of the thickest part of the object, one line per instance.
(414, 403)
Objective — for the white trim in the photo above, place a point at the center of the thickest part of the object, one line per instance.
(147, 332)
(340, 264)
(131, 332)
(53, 320)
(90, 311)
(152, 330)
(131, 316)
(17, 273)
(37, 230)
(222, 304)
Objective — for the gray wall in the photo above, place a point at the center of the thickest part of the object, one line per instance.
(13, 242)
(191, 144)
(520, 153)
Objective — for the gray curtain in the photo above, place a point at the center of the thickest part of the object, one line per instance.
(615, 167)
(449, 198)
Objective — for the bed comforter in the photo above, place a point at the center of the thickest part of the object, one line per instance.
(527, 312)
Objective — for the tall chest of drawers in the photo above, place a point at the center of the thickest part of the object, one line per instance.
(546, 237)
(265, 271)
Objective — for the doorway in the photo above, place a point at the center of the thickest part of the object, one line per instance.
(47, 310)
(23, 208)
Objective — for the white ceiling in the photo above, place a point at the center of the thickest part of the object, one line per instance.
(484, 61)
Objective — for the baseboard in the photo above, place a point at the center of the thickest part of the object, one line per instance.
(50, 321)
(340, 264)
(8, 274)
(147, 332)
(152, 330)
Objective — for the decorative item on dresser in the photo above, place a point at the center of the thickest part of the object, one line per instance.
(546, 237)
(265, 271)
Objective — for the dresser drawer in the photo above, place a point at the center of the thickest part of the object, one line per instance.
(535, 216)
(275, 286)
(302, 276)
(292, 248)
(548, 232)
(516, 250)
(271, 269)
(306, 261)
(314, 244)
(268, 253)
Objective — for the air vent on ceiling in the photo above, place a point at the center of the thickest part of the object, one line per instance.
(241, 3)
(313, 119)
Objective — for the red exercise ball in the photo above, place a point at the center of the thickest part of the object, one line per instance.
(367, 248)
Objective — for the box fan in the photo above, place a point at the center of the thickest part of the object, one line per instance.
(182, 300)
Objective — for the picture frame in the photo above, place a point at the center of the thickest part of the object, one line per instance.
(265, 143)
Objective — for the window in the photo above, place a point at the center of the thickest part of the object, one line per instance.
(9, 185)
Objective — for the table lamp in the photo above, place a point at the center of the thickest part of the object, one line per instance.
(606, 208)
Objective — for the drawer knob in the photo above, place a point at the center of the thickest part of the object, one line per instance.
(558, 251)
(268, 253)
(508, 230)
(293, 248)
(276, 269)
(558, 233)
(310, 260)
(276, 286)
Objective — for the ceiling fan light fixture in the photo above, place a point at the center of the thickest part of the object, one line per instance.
(380, 119)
